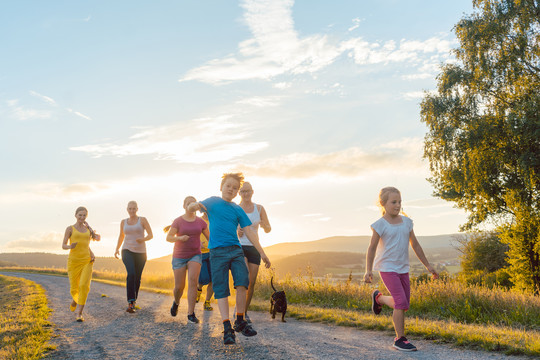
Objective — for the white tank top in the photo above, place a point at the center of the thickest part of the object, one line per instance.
(255, 218)
(132, 233)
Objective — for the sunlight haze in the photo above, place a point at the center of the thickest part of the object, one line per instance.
(316, 102)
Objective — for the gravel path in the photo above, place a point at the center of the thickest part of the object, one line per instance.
(111, 333)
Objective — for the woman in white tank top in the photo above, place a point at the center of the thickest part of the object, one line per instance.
(133, 251)
(258, 217)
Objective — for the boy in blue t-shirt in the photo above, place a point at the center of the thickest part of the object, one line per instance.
(226, 252)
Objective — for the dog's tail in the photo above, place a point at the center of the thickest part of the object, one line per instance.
(272, 283)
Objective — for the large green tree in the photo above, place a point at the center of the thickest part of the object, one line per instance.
(483, 140)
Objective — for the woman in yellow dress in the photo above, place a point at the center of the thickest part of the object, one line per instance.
(80, 260)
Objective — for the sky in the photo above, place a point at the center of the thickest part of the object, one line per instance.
(316, 102)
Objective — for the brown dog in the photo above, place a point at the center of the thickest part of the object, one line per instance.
(278, 302)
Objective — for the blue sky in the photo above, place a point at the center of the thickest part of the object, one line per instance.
(317, 102)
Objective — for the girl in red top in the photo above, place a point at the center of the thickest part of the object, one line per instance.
(185, 233)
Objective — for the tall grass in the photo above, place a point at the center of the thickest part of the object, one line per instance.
(24, 329)
(445, 299)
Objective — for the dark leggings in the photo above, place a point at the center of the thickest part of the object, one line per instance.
(134, 263)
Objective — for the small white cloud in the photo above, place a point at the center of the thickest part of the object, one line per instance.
(43, 97)
(79, 114)
(260, 101)
(283, 85)
(356, 24)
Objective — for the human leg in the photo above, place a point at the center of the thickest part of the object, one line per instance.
(193, 269)
(397, 285)
(179, 283)
(253, 271)
(140, 261)
(128, 258)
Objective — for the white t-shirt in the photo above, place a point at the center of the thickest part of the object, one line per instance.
(393, 249)
(255, 218)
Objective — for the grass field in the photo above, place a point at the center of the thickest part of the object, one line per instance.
(25, 331)
(444, 310)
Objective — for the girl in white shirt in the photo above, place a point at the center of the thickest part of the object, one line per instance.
(388, 253)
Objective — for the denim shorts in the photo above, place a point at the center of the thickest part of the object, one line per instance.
(251, 254)
(205, 276)
(223, 259)
(178, 263)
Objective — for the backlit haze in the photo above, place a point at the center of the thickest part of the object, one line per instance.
(317, 102)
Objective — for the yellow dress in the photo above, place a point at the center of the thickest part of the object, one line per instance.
(79, 266)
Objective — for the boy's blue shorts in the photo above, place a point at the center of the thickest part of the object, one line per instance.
(205, 277)
(223, 259)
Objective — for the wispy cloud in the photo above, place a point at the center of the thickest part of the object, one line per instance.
(260, 101)
(43, 97)
(44, 242)
(200, 141)
(405, 155)
(356, 24)
(276, 48)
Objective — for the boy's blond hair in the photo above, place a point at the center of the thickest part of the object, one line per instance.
(236, 176)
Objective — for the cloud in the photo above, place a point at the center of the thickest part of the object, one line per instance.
(260, 101)
(79, 114)
(43, 97)
(51, 241)
(23, 113)
(276, 48)
(356, 23)
(404, 155)
(200, 141)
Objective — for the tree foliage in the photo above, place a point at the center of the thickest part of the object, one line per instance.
(483, 140)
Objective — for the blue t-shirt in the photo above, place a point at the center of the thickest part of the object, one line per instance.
(224, 218)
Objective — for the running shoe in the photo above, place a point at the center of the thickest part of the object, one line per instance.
(174, 308)
(193, 318)
(375, 306)
(131, 308)
(229, 337)
(247, 318)
(244, 328)
(403, 344)
(199, 292)
(207, 306)
(80, 318)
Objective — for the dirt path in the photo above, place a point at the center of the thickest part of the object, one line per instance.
(111, 333)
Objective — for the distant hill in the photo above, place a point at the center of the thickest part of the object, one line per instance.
(47, 260)
(357, 244)
(320, 264)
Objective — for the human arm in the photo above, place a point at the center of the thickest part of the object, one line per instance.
(370, 256)
(206, 233)
(265, 223)
(67, 235)
(196, 206)
(146, 226)
(172, 237)
(420, 254)
(120, 239)
(92, 256)
(254, 239)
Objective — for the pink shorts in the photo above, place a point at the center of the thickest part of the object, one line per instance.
(399, 287)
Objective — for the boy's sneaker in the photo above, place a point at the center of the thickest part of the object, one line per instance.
(375, 306)
(229, 337)
(131, 308)
(174, 308)
(193, 318)
(244, 328)
(207, 306)
(199, 292)
(403, 344)
(247, 318)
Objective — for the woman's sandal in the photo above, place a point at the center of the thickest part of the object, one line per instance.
(72, 307)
